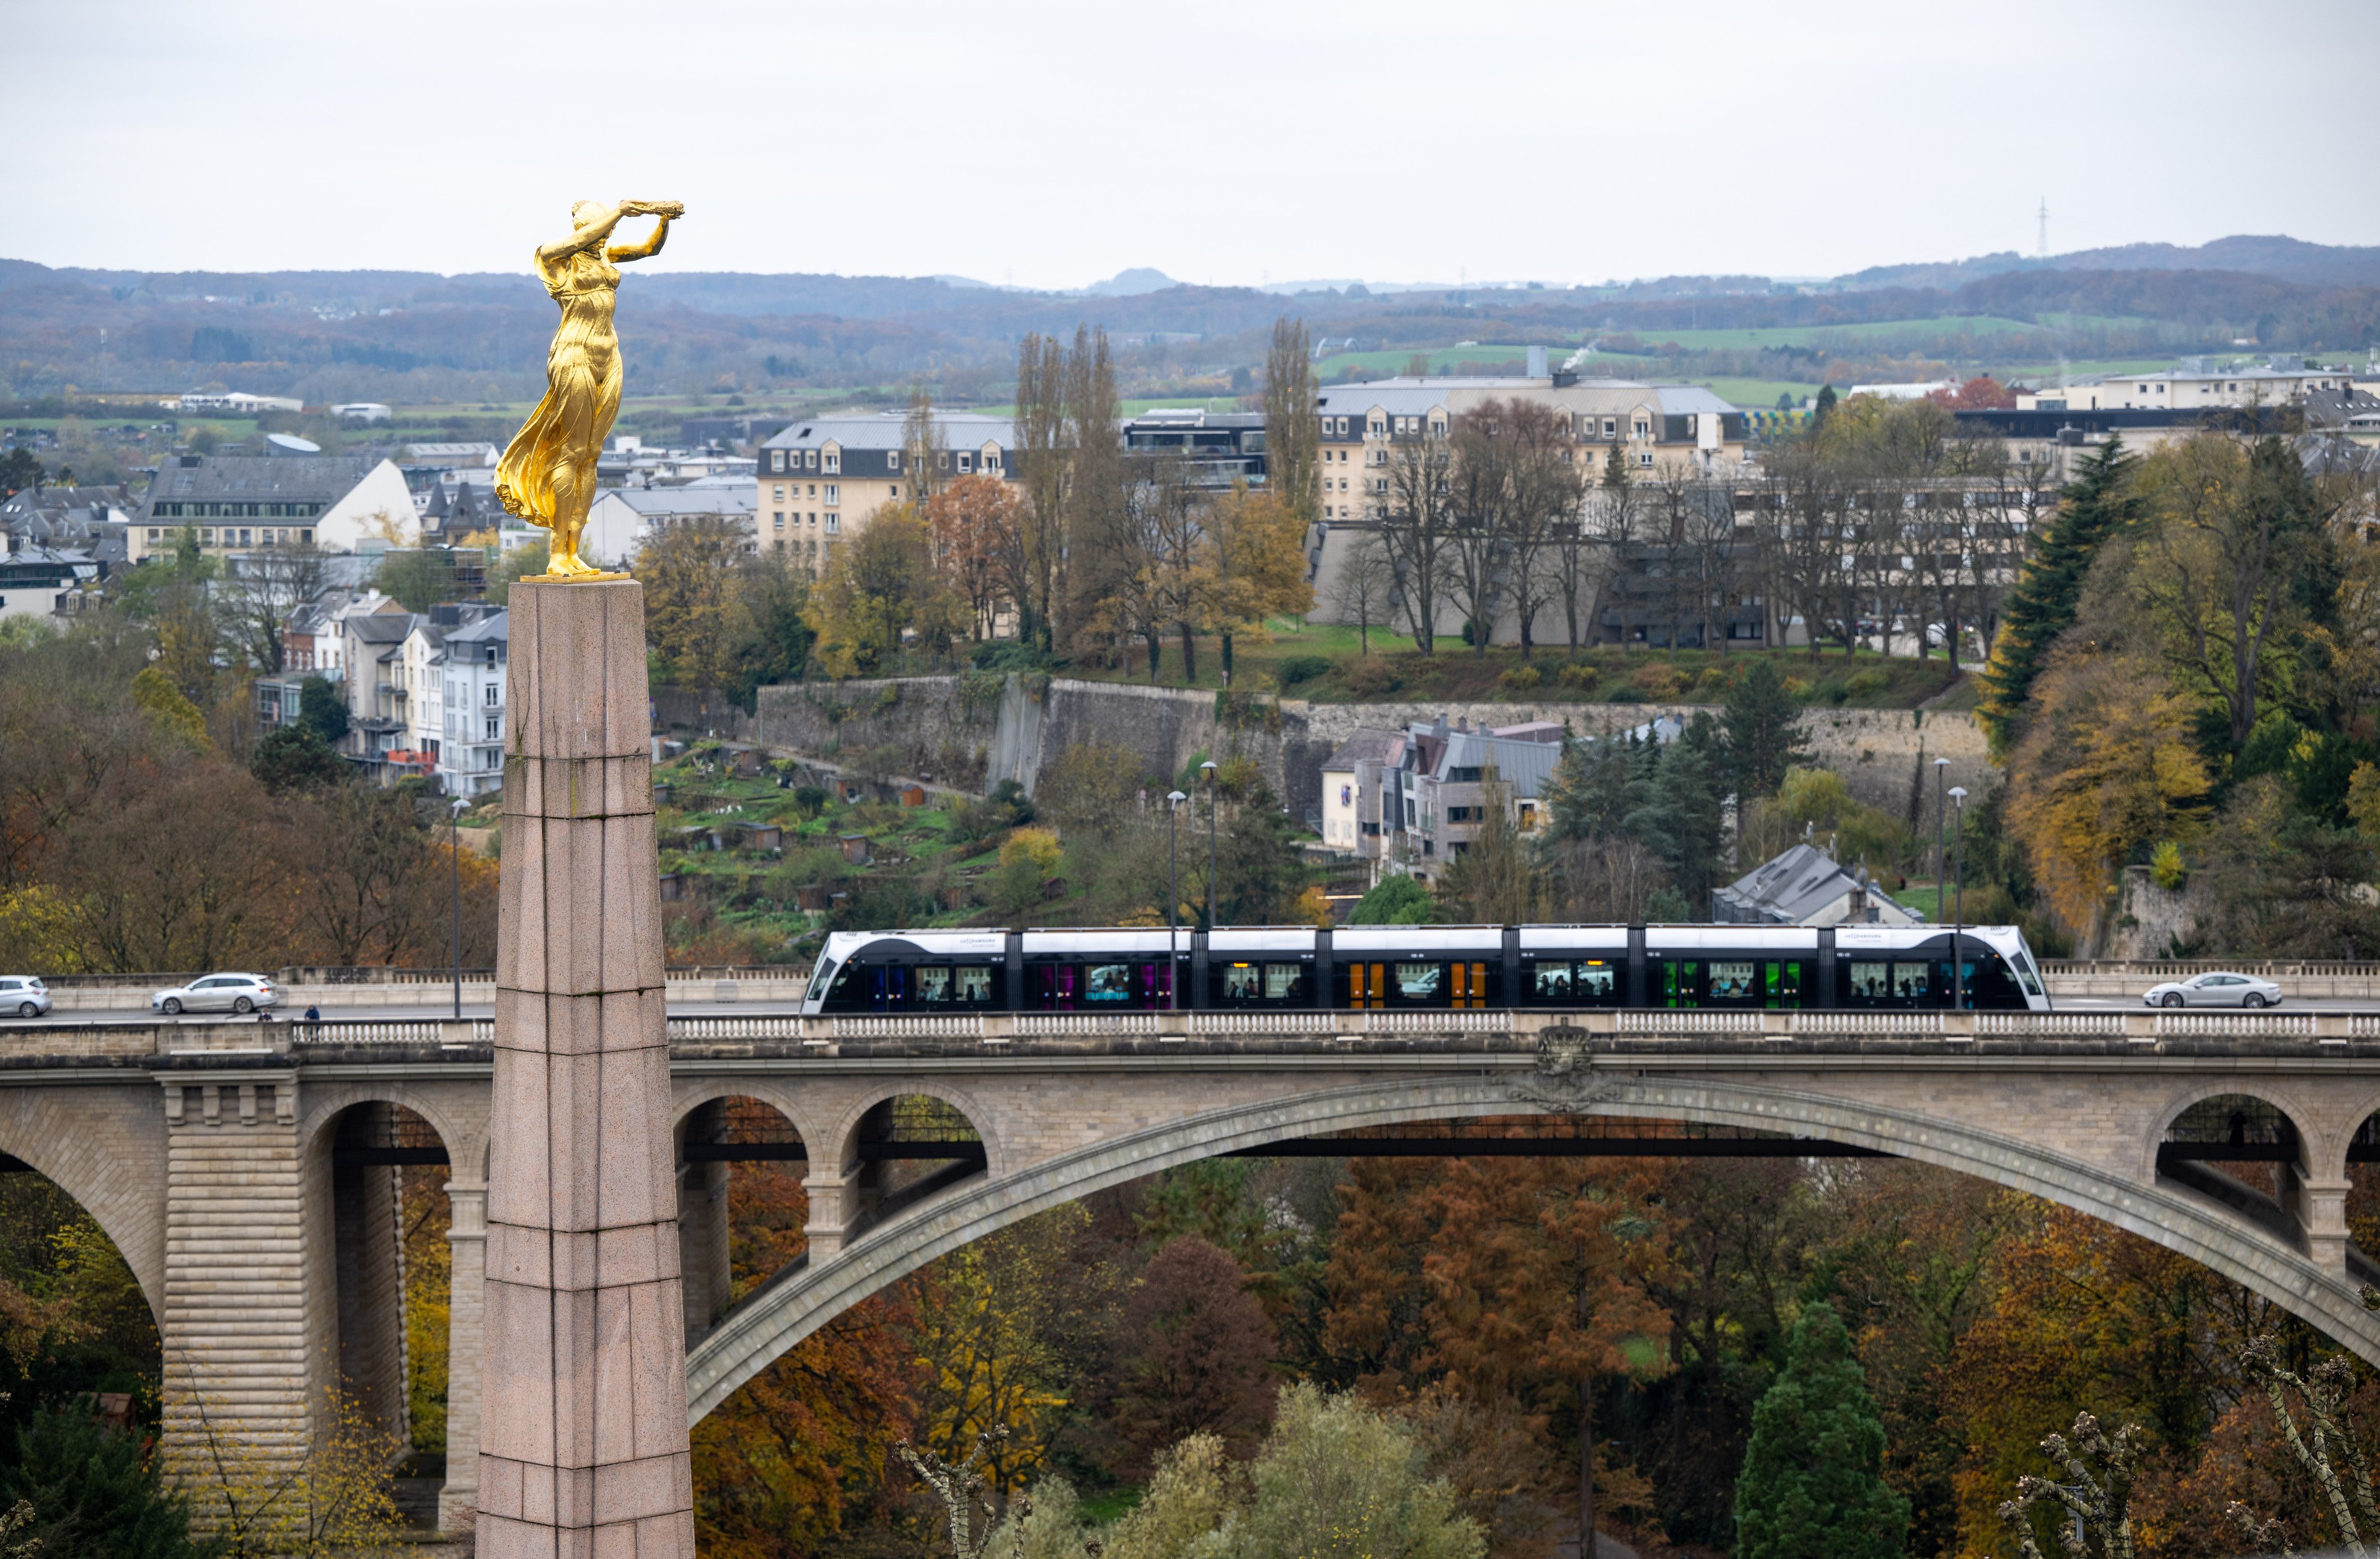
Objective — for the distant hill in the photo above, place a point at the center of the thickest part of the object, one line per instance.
(1132, 283)
(2286, 259)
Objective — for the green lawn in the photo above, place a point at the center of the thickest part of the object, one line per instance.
(1394, 671)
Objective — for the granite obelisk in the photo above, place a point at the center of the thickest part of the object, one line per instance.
(583, 1435)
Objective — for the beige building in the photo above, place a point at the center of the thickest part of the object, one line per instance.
(822, 479)
(241, 503)
(1363, 424)
(2195, 384)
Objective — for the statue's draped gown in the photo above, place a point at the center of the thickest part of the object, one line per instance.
(582, 394)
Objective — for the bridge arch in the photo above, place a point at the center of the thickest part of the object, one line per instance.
(781, 1315)
(109, 1158)
(2300, 1114)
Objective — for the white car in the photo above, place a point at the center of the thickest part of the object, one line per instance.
(216, 993)
(2219, 989)
(23, 996)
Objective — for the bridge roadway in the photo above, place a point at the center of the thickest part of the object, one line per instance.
(246, 1170)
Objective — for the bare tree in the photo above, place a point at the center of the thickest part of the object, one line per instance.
(261, 590)
(1366, 581)
(1477, 555)
(1292, 429)
(1416, 520)
(1034, 560)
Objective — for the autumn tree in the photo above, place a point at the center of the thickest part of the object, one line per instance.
(880, 588)
(2230, 532)
(974, 525)
(1812, 1483)
(689, 570)
(1196, 1349)
(2097, 505)
(1254, 551)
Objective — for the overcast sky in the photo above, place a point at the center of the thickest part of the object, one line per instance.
(1053, 144)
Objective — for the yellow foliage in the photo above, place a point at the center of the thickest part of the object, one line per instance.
(1037, 846)
(155, 692)
(2362, 800)
(41, 931)
(1312, 907)
(2106, 765)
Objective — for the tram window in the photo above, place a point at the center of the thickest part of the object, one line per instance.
(1586, 982)
(1734, 984)
(1899, 984)
(1108, 982)
(1419, 983)
(973, 983)
(1911, 983)
(1282, 981)
(1264, 984)
(1785, 983)
(934, 986)
(1241, 982)
(1868, 982)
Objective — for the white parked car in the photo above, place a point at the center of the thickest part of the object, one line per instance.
(2220, 990)
(23, 995)
(216, 993)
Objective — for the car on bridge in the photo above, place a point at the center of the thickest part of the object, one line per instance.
(216, 993)
(23, 995)
(2220, 989)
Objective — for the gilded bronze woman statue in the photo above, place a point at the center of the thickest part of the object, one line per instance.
(547, 476)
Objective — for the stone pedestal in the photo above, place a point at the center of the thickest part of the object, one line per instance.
(582, 1433)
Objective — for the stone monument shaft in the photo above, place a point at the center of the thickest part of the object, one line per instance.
(583, 1443)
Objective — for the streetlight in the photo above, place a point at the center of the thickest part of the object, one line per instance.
(1941, 768)
(1173, 800)
(1207, 768)
(455, 876)
(1959, 899)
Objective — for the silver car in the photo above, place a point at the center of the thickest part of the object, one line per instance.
(23, 995)
(2223, 989)
(216, 993)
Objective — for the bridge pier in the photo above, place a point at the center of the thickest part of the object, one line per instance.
(839, 1204)
(466, 1245)
(2319, 1205)
(702, 1229)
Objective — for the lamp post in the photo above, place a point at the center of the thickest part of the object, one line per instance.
(1207, 768)
(1959, 900)
(1173, 899)
(454, 882)
(1941, 769)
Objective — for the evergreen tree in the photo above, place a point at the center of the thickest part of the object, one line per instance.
(1813, 1482)
(320, 706)
(290, 757)
(1823, 408)
(1690, 790)
(91, 1490)
(2093, 506)
(1763, 739)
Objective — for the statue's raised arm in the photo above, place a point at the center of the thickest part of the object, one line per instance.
(547, 476)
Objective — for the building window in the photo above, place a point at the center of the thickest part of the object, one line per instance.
(777, 493)
(776, 459)
(966, 463)
(1644, 428)
(1645, 459)
(833, 462)
(833, 495)
(305, 538)
(489, 695)
(893, 491)
(495, 731)
(833, 524)
(891, 459)
(780, 520)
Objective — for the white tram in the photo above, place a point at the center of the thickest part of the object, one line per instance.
(1407, 968)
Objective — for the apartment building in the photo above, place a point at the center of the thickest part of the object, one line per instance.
(1653, 425)
(821, 480)
(1412, 801)
(471, 757)
(336, 503)
(624, 518)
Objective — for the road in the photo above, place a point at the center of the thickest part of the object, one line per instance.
(367, 1009)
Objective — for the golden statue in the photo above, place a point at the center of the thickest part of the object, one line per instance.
(547, 476)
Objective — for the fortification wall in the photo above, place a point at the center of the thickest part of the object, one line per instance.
(978, 729)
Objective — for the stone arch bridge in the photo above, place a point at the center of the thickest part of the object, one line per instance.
(248, 1170)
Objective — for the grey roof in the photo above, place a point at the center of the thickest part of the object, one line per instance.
(493, 628)
(1366, 746)
(1788, 889)
(960, 429)
(740, 499)
(1523, 765)
(381, 628)
(320, 479)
